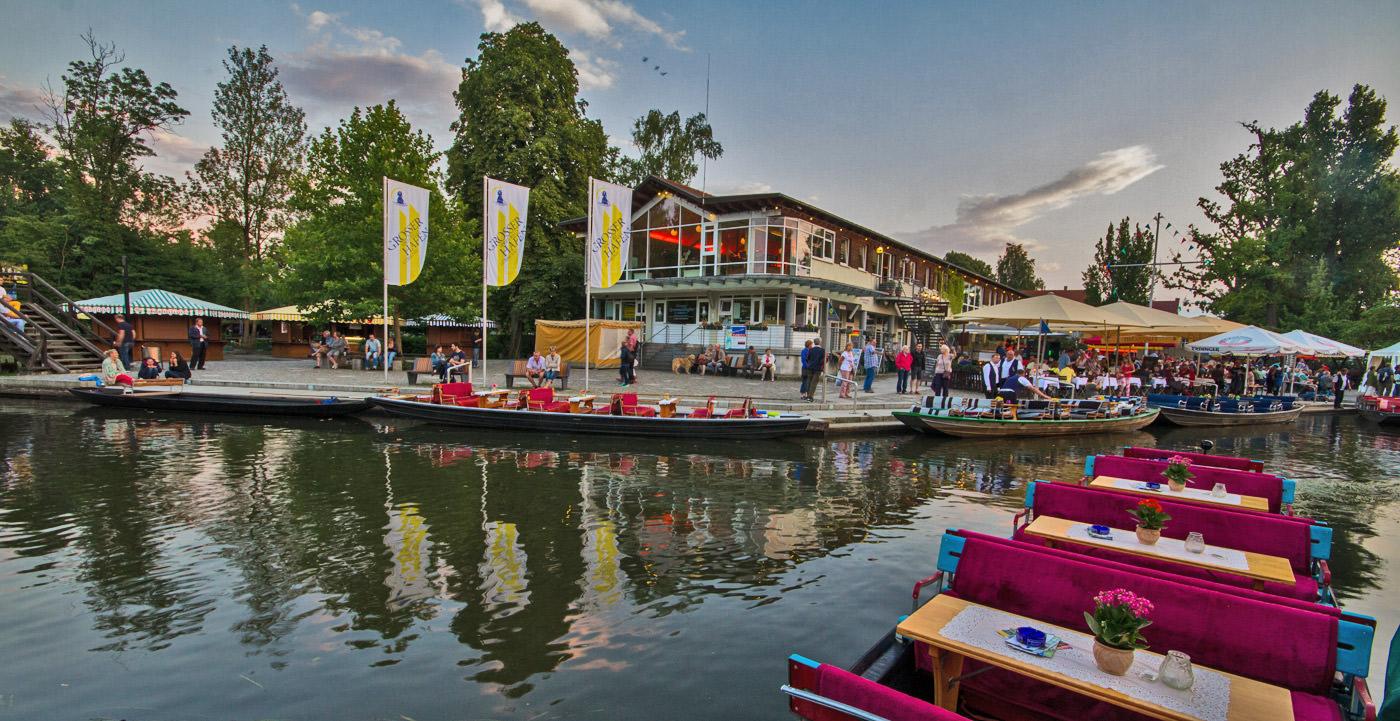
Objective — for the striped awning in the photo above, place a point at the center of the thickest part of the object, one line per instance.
(159, 302)
(446, 321)
(296, 313)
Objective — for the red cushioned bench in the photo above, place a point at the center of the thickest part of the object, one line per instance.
(1306, 545)
(1320, 657)
(1278, 491)
(1204, 459)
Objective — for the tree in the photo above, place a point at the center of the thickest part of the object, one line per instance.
(668, 148)
(521, 121)
(1016, 268)
(243, 186)
(1322, 188)
(1106, 280)
(335, 254)
(967, 262)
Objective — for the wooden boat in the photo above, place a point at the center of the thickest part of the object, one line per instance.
(184, 401)
(1206, 411)
(1033, 418)
(1380, 409)
(577, 416)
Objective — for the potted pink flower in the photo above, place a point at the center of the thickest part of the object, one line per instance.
(1178, 473)
(1117, 621)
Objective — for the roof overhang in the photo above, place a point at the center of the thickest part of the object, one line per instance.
(832, 288)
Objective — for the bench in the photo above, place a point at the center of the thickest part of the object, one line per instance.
(421, 366)
(1204, 459)
(1303, 648)
(517, 370)
(1306, 545)
(1279, 491)
(146, 382)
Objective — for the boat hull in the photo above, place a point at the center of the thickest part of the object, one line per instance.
(964, 427)
(518, 420)
(185, 402)
(1188, 417)
(1382, 417)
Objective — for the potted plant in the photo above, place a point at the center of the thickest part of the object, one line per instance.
(1178, 473)
(1117, 622)
(1150, 518)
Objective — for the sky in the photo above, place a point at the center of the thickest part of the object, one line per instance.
(950, 125)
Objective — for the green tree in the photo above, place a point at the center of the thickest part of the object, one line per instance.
(521, 121)
(1322, 188)
(1016, 268)
(243, 186)
(967, 262)
(669, 148)
(334, 255)
(1106, 280)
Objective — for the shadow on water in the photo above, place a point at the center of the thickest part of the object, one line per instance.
(518, 575)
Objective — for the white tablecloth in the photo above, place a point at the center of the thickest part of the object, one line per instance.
(1169, 548)
(1208, 699)
(1191, 493)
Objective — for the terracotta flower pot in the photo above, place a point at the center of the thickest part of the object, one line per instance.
(1148, 536)
(1115, 661)
(1176, 486)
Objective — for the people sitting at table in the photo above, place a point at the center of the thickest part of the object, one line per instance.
(372, 352)
(177, 367)
(534, 369)
(113, 372)
(552, 364)
(149, 370)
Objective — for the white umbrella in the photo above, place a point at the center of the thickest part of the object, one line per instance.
(1325, 347)
(1249, 340)
(1374, 358)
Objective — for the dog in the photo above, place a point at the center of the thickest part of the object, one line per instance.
(680, 365)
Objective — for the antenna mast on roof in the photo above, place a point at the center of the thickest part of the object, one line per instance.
(705, 160)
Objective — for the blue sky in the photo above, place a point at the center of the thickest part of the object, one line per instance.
(952, 125)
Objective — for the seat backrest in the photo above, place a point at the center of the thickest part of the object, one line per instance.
(1271, 534)
(422, 365)
(454, 389)
(629, 399)
(1285, 646)
(1247, 483)
(517, 368)
(564, 368)
(1204, 459)
(543, 394)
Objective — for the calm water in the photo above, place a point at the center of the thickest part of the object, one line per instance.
(178, 568)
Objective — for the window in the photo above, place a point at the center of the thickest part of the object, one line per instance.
(680, 312)
(845, 257)
(823, 243)
(862, 254)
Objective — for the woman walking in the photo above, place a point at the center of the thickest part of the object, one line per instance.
(943, 374)
(903, 365)
(849, 360)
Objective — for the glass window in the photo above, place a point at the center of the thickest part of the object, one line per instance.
(823, 243)
(845, 257)
(663, 214)
(862, 250)
(743, 311)
(661, 252)
(680, 312)
(771, 253)
(690, 245)
(703, 314)
(659, 314)
(799, 251)
(733, 247)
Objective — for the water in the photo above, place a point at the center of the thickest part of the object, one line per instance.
(186, 568)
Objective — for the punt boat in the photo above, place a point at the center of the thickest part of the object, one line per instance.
(1029, 418)
(246, 403)
(1380, 409)
(1206, 411)
(537, 409)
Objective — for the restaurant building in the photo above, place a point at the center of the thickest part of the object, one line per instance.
(783, 269)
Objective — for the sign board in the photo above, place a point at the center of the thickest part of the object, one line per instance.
(737, 338)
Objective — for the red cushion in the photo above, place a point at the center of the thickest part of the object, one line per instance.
(1245, 482)
(643, 411)
(1204, 459)
(543, 394)
(866, 695)
(1309, 707)
(700, 413)
(455, 389)
(1270, 642)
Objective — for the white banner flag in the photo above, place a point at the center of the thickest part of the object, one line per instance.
(506, 207)
(609, 232)
(405, 231)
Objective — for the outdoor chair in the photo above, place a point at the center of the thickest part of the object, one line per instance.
(707, 412)
(744, 410)
(454, 394)
(542, 399)
(629, 406)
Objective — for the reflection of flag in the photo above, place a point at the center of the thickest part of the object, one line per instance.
(504, 568)
(405, 231)
(506, 209)
(1044, 327)
(609, 232)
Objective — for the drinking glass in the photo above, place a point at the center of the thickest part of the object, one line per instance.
(1195, 542)
(1218, 490)
(1176, 671)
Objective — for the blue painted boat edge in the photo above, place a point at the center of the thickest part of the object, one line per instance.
(1030, 492)
(1354, 647)
(1290, 487)
(949, 550)
(1089, 466)
(809, 663)
(1321, 537)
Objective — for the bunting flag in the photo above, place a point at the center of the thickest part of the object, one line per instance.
(609, 232)
(506, 207)
(405, 231)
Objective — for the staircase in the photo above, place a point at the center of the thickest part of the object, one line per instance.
(658, 356)
(55, 339)
(925, 319)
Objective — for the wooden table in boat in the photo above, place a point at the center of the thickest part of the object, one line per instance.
(492, 398)
(1261, 567)
(581, 404)
(1250, 700)
(668, 407)
(1190, 495)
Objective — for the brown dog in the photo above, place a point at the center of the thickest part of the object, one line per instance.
(680, 365)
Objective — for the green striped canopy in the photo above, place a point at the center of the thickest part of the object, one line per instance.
(159, 302)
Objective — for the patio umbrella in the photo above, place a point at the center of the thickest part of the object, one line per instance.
(1248, 340)
(1161, 325)
(1325, 347)
(1219, 325)
(1058, 313)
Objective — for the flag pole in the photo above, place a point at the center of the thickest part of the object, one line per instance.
(384, 197)
(587, 287)
(485, 229)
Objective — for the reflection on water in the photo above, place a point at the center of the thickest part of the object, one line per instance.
(377, 569)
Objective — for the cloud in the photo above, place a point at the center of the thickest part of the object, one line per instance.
(17, 101)
(594, 73)
(986, 223)
(349, 66)
(174, 154)
(596, 19)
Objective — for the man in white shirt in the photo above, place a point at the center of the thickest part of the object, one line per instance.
(534, 369)
(990, 380)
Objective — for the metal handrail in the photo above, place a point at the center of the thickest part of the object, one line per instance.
(37, 356)
(64, 305)
(830, 703)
